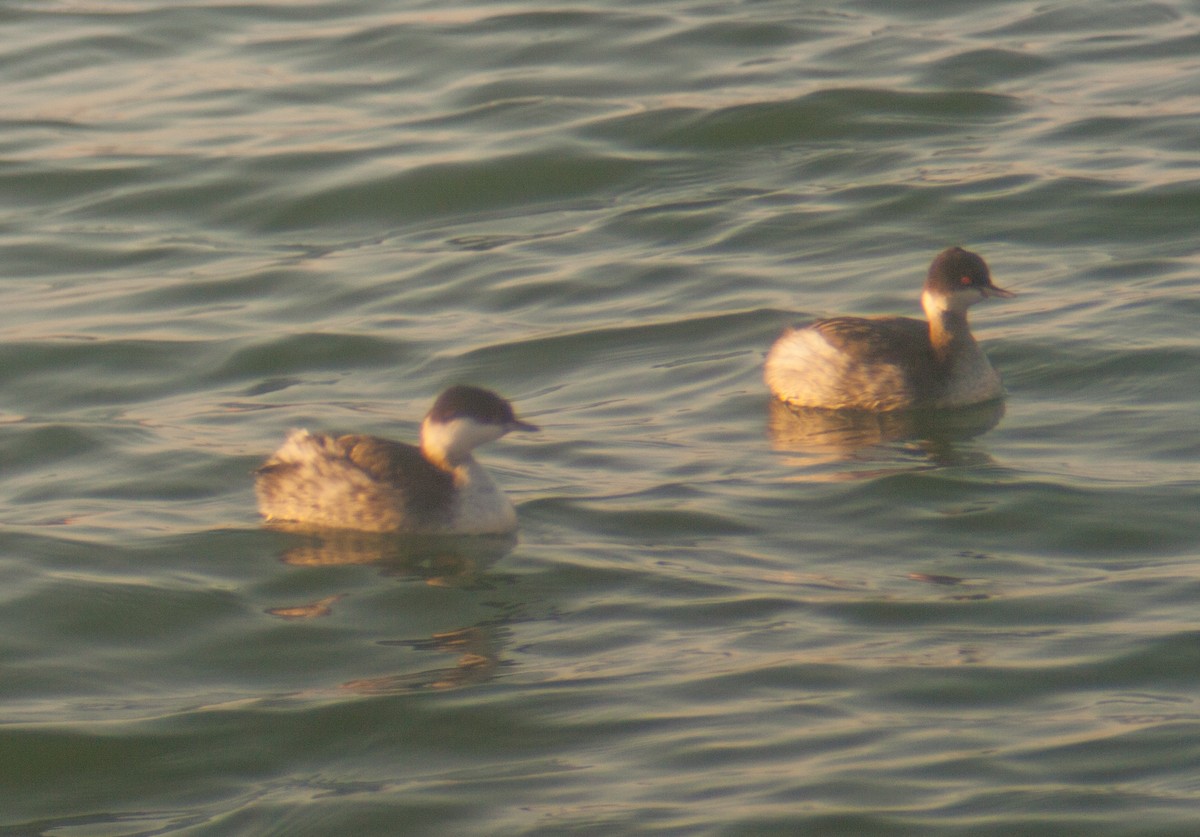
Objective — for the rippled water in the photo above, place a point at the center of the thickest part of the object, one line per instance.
(221, 221)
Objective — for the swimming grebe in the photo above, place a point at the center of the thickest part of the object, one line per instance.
(894, 363)
(377, 485)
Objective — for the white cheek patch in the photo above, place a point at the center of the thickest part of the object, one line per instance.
(455, 439)
(957, 303)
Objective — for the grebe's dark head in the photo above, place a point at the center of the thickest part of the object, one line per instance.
(957, 280)
(462, 419)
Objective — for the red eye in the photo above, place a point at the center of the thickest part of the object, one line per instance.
(966, 280)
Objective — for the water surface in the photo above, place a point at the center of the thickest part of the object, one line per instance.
(220, 222)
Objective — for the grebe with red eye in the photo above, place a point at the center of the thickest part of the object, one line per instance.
(894, 363)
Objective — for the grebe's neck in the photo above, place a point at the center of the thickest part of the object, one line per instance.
(949, 332)
(441, 444)
(448, 444)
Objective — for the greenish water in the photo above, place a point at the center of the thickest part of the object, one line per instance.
(219, 222)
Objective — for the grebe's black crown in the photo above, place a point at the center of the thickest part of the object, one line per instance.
(956, 268)
(462, 401)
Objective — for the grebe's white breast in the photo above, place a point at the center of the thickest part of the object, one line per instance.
(894, 363)
(378, 485)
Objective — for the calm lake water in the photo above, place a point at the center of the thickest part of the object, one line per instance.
(218, 222)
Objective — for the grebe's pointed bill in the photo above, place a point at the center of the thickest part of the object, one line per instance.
(997, 291)
(516, 424)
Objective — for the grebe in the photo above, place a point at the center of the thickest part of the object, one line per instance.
(377, 485)
(894, 363)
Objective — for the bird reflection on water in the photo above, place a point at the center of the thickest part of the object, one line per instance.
(439, 561)
(816, 437)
